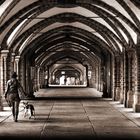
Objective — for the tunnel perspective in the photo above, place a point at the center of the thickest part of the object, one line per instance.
(72, 43)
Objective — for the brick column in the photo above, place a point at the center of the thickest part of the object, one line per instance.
(86, 66)
(1, 83)
(130, 93)
(12, 69)
(99, 79)
(125, 89)
(136, 105)
(113, 77)
(38, 77)
(117, 78)
(48, 76)
(3, 66)
(122, 81)
(41, 77)
(16, 66)
(3, 75)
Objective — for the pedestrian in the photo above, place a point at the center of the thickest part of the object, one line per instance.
(12, 95)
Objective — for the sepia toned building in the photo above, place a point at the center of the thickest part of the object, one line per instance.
(72, 43)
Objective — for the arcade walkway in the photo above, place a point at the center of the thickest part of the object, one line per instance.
(73, 113)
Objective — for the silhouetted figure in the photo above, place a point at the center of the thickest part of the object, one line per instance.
(12, 95)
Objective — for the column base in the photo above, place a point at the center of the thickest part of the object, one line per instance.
(105, 95)
(2, 99)
(130, 99)
(31, 96)
(1, 106)
(129, 104)
(136, 108)
(136, 105)
(121, 97)
(117, 94)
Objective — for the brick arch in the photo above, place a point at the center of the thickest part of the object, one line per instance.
(35, 55)
(43, 4)
(117, 13)
(130, 12)
(62, 66)
(2, 1)
(71, 65)
(44, 36)
(93, 7)
(75, 17)
(136, 3)
(10, 7)
(86, 56)
(53, 41)
(19, 14)
(81, 57)
(69, 51)
(109, 18)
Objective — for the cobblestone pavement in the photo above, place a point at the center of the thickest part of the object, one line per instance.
(72, 113)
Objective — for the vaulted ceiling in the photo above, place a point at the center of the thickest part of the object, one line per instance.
(48, 31)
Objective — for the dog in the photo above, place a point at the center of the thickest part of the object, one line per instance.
(29, 110)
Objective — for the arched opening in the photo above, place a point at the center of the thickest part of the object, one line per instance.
(101, 38)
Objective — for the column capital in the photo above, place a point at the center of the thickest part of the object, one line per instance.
(17, 58)
(130, 52)
(117, 58)
(13, 54)
(4, 52)
(137, 50)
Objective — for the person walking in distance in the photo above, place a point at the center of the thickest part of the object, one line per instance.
(12, 95)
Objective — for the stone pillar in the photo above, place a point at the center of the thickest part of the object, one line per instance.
(122, 81)
(38, 77)
(3, 75)
(16, 66)
(1, 85)
(125, 89)
(130, 93)
(117, 78)
(99, 79)
(104, 81)
(113, 77)
(23, 73)
(96, 77)
(92, 77)
(48, 76)
(85, 76)
(87, 79)
(35, 80)
(12, 69)
(41, 80)
(4, 54)
(136, 104)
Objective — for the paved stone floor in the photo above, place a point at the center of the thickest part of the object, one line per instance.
(72, 113)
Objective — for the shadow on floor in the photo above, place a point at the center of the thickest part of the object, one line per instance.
(67, 98)
(65, 138)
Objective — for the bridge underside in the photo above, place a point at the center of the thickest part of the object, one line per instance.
(77, 43)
